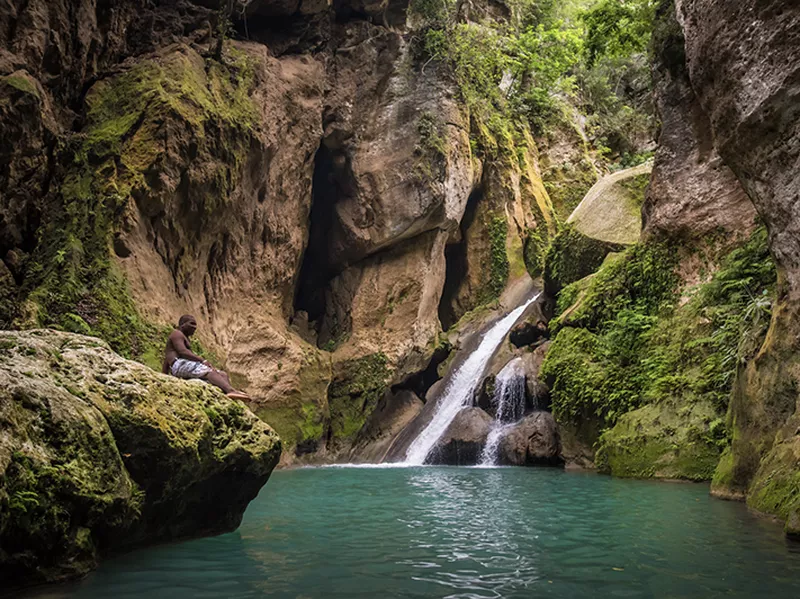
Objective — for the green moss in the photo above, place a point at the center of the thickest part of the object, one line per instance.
(21, 83)
(642, 278)
(665, 440)
(355, 390)
(534, 250)
(623, 345)
(776, 486)
(635, 188)
(72, 282)
(723, 473)
(568, 183)
(47, 502)
(497, 229)
(571, 256)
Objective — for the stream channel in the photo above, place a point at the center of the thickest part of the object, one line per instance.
(427, 531)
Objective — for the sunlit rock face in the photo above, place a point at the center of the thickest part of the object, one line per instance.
(295, 188)
(99, 453)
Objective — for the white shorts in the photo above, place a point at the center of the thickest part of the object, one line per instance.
(188, 369)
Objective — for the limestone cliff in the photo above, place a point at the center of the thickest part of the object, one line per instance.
(294, 174)
(742, 62)
(689, 337)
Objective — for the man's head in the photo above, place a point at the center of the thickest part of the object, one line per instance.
(187, 324)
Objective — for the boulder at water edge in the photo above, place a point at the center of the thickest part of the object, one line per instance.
(463, 441)
(534, 440)
(99, 453)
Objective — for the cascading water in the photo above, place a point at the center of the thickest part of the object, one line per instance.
(509, 392)
(459, 391)
(509, 404)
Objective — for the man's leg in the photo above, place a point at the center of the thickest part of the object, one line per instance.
(216, 379)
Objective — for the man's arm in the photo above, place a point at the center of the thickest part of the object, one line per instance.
(182, 347)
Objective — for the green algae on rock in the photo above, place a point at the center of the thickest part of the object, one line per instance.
(98, 453)
(132, 122)
(355, 390)
(652, 364)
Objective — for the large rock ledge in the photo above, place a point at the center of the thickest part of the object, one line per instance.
(98, 454)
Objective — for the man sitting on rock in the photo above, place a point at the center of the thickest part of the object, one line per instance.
(180, 361)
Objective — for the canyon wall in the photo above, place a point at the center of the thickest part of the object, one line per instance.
(291, 173)
(742, 62)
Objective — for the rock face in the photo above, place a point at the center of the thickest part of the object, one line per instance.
(612, 209)
(692, 191)
(742, 62)
(534, 440)
(462, 442)
(98, 453)
(302, 191)
(665, 440)
(393, 414)
(527, 333)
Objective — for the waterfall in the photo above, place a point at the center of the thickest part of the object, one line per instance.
(459, 391)
(509, 404)
(509, 392)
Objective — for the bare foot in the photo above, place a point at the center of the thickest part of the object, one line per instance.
(238, 395)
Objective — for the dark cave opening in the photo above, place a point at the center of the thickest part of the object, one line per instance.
(316, 271)
(456, 266)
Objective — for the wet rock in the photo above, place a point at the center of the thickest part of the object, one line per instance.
(484, 394)
(527, 333)
(742, 62)
(393, 413)
(534, 440)
(537, 392)
(99, 453)
(462, 442)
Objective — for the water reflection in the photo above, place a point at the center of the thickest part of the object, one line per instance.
(466, 533)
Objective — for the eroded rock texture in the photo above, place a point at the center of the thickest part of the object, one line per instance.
(742, 63)
(534, 440)
(462, 441)
(692, 191)
(99, 453)
(295, 187)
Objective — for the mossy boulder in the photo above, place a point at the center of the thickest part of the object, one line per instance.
(98, 453)
(665, 440)
(572, 256)
(612, 210)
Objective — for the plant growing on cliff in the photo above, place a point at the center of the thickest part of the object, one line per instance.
(71, 280)
(626, 343)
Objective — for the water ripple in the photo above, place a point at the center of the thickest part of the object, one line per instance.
(466, 533)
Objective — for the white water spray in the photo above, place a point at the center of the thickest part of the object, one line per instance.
(509, 404)
(459, 391)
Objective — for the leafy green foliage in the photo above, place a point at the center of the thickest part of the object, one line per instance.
(499, 265)
(627, 344)
(617, 28)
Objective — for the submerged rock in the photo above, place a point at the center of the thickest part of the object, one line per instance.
(534, 440)
(462, 442)
(99, 453)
